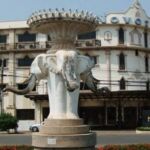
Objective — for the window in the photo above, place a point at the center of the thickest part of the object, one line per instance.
(2, 86)
(48, 38)
(26, 37)
(122, 84)
(111, 115)
(135, 37)
(146, 64)
(3, 62)
(90, 35)
(136, 53)
(3, 38)
(23, 86)
(25, 62)
(147, 85)
(107, 36)
(94, 59)
(83, 86)
(121, 61)
(25, 114)
(121, 36)
(146, 39)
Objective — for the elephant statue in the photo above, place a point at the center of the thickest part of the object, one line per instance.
(63, 71)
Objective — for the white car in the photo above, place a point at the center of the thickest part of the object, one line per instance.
(35, 127)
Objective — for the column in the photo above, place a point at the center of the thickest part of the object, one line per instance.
(108, 68)
(11, 39)
(11, 108)
(38, 112)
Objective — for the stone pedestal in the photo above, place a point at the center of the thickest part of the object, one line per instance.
(64, 134)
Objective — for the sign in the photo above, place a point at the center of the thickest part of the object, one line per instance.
(51, 141)
(129, 20)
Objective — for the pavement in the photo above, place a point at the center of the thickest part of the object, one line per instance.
(98, 132)
(114, 132)
(103, 137)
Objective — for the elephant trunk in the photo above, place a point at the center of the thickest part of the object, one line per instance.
(30, 87)
(70, 80)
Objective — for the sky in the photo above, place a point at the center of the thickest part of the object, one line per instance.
(22, 9)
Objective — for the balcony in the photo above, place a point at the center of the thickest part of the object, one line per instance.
(48, 44)
(27, 45)
(88, 43)
(4, 46)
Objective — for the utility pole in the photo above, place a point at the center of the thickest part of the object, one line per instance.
(1, 85)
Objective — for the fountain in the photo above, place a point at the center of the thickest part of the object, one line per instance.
(63, 67)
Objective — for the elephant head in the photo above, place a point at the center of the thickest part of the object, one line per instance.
(69, 65)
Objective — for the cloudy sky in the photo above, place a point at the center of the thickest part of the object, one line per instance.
(22, 9)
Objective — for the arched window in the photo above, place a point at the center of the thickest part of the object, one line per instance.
(135, 37)
(145, 39)
(146, 64)
(122, 84)
(107, 36)
(121, 61)
(3, 62)
(147, 85)
(121, 36)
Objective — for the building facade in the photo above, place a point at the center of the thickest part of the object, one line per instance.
(120, 48)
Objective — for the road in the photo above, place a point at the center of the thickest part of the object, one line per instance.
(121, 137)
(15, 139)
(103, 138)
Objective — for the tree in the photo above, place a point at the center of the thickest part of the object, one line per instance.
(7, 122)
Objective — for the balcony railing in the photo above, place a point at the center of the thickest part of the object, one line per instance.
(4, 46)
(27, 45)
(47, 44)
(88, 43)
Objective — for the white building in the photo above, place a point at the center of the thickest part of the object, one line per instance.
(120, 48)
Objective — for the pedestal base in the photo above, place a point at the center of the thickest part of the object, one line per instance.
(64, 135)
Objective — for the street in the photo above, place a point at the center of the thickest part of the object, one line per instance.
(103, 138)
(121, 137)
(16, 139)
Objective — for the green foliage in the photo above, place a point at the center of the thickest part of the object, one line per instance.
(126, 147)
(7, 121)
(143, 128)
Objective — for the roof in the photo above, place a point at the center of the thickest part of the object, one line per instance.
(86, 94)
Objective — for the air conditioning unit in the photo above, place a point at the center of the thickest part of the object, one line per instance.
(20, 46)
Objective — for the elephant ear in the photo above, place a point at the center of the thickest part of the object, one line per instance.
(84, 68)
(52, 63)
(39, 67)
(85, 64)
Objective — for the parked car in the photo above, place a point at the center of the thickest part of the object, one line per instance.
(35, 127)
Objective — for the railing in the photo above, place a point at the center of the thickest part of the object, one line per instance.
(4, 46)
(47, 44)
(27, 45)
(88, 43)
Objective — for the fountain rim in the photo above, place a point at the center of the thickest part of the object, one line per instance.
(50, 17)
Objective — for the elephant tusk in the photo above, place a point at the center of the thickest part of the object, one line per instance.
(30, 86)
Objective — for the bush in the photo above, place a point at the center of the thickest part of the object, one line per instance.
(7, 121)
(143, 128)
(126, 147)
